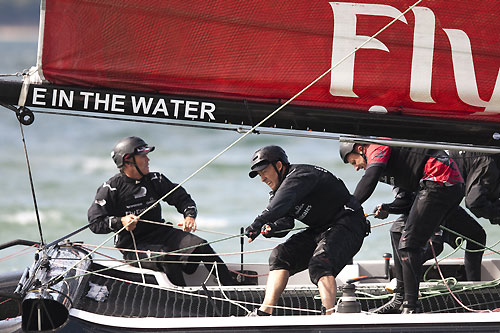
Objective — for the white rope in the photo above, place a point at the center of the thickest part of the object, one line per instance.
(223, 293)
(209, 273)
(209, 231)
(137, 256)
(180, 253)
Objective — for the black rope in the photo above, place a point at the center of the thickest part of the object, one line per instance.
(210, 299)
(31, 184)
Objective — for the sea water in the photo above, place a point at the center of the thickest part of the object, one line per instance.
(70, 158)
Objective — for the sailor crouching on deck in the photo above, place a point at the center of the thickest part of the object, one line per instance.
(129, 193)
(335, 219)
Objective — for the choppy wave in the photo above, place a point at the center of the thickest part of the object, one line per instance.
(94, 164)
(205, 223)
(29, 217)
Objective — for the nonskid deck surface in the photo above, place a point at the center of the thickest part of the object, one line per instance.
(130, 298)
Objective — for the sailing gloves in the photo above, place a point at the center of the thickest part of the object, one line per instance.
(253, 230)
(381, 212)
(268, 230)
(278, 228)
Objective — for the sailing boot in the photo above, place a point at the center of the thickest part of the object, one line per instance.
(411, 308)
(395, 305)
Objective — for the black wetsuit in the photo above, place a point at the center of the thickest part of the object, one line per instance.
(458, 220)
(335, 220)
(121, 196)
(482, 183)
(435, 179)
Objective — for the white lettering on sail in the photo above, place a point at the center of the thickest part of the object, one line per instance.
(133, 104)
(346, 41)
(54, 97)
(136, 106)
(176, 103)
(86, 96)
(38, 95)
(423, 53)
(207, 108)
(465, 76)
(64, 98)
(117, 100)
(494, 104)
(191, 106)
(104, 101)
(160, 107)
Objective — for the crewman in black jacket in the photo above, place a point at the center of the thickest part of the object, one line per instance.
(438, 185)
(482, 183)
(131, 192)
(335, 220)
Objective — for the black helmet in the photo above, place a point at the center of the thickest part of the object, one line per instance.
(129, 147)
(345, 149)
(264, 156)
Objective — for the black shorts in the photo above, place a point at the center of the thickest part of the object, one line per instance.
(323, 253)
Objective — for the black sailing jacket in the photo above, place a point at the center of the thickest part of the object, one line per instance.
(309, 194)
(481, 173)
(122, 195)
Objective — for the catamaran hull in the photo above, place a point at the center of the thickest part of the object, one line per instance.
(472, 322)
(157, 306)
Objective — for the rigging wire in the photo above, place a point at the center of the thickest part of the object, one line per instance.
(433, 291)
(223, 293)
(13, 74)
(18, 253)
(211, 231)
(137, 256)
(32, 185)
(179, 253)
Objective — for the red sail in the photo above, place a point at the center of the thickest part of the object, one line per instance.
(440, 59)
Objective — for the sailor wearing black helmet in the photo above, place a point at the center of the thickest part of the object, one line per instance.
(438, 185)
(335, 220)
(129, 193)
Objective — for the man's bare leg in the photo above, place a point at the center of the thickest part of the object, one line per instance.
(276, 283)
(328, 291)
